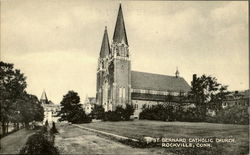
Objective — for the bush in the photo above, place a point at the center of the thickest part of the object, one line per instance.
(112, 116)
(191, 114)
(170, 113)
(120, 114)
(39, 145)
(97, 112)
(236, 114)
(158, 112)
(46, 123)
(79, 116)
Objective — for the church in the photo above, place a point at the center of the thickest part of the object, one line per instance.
(117, 84)
(50, 109)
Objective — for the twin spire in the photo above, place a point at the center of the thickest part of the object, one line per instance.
(120, 31)
(119, 36)
(105, 48)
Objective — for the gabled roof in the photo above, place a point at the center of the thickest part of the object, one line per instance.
(105, 48)
(120, 31)
(149, 81)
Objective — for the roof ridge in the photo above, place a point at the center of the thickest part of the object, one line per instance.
(157, 74)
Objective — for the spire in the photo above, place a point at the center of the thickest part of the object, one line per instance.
(177, 72)
(120, 31)
(44, 98)
(105, 48)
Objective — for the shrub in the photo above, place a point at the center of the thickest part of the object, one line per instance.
(39, 145)
(112, 116)
(157, 112)
(46, 123)
(236, 114)
(120, 114)
(53, 130)
(97, 112)
(79, 116)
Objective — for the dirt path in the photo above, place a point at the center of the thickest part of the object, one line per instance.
(12, 143)
(73, 140)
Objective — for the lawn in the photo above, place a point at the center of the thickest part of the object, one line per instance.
(73, 140)
(141, 128)
(12, 143)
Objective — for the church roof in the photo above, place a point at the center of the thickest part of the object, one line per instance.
(105, 48)
(149, 81)
(120, 31)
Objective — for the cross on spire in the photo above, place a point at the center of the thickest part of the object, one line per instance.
(177, 73)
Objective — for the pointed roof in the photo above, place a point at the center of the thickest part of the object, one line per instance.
(44, 97)
(120, 31)
(159, 82)
(105, 48)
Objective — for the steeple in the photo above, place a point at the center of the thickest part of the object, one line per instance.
(105, 48)
(120, 31)
(44, 98)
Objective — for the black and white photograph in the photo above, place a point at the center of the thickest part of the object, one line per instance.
(124, 77)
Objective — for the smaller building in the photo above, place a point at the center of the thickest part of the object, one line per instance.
(88, 104)
(50, 109)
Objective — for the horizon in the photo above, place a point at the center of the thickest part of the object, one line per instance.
(57, 43)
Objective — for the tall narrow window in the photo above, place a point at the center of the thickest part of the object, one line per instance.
(120, 92)
(124, 93)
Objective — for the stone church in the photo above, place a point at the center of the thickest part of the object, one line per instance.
(117, 84)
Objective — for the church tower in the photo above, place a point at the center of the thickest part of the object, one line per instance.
(114, 68)
(121, 90)
(102, 67)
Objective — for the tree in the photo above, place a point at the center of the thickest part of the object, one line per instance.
(12, 86)
(217, 99)
(70, 102)
(207, 93)
(71, 110)
(17, 106)
(78, 116)
(30, 109)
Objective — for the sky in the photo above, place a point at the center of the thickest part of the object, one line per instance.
(56, 43)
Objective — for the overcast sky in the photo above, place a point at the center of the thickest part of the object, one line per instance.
(56, 43)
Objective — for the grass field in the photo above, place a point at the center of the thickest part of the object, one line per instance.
(73, 140)
(12, 143)
(141, 128)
